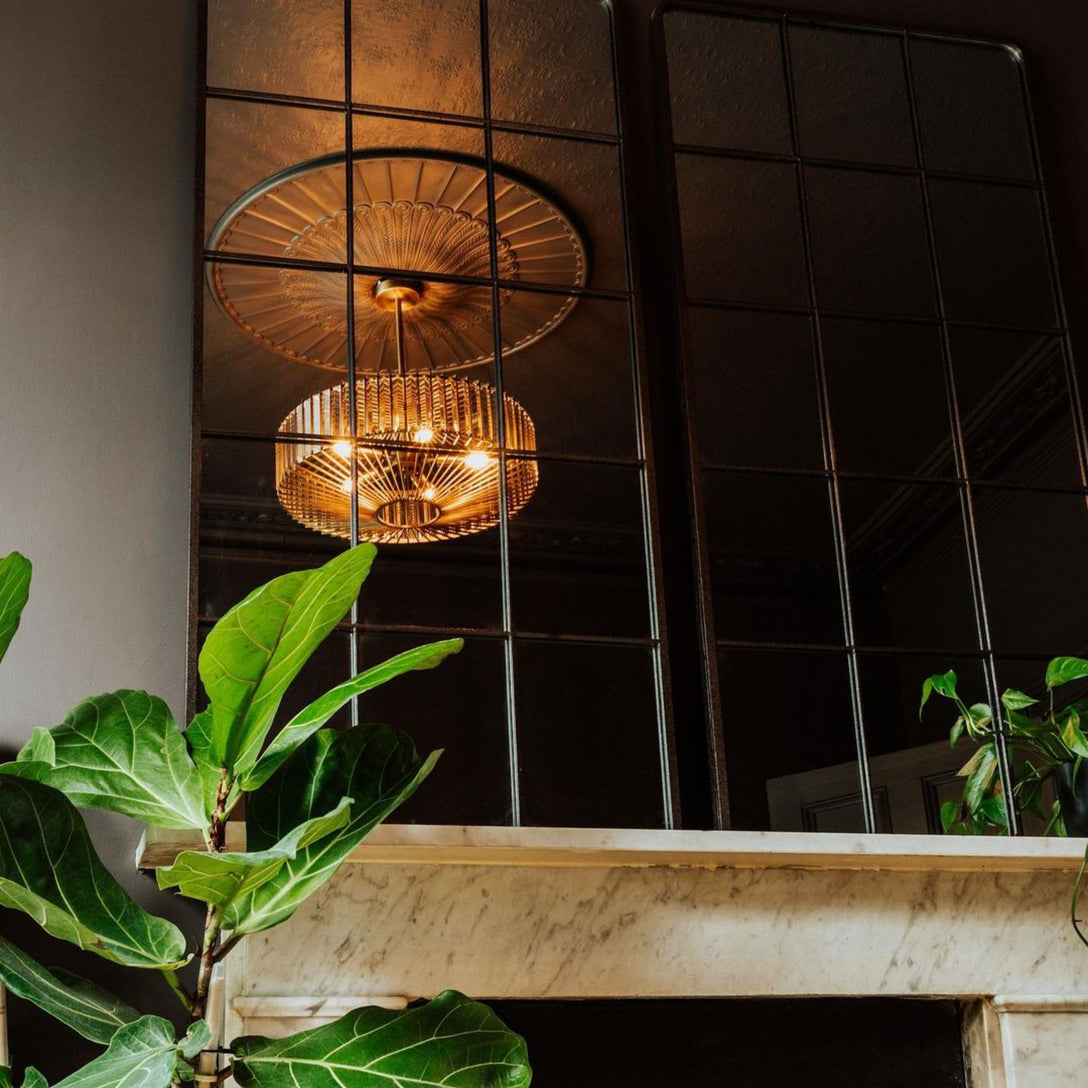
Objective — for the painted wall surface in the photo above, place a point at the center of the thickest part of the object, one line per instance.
(96, 183)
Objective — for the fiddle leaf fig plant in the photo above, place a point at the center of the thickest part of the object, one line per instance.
(313, 793)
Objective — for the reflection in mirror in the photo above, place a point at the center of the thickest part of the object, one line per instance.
(587, 735)
(727, 83)
(786, 714)
(852, 101)
(907, 557)
(772, 558)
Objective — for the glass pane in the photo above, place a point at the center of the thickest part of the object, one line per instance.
(577, 554)
(459, 707)
(869, 242)
(1014, 403)
(579, 239)
(755, 393)
(587, 735)
(246, 145)
(910, 582)
(551, 64)
(246, 536)
(971, 109)
(789, 770)
(1034, 576)
(294, 48)
(727, 83)
(852, 101)
(772, 558)
(260, 329)
(568, 362)
(992, 253)
(910, 761)
(417, 54)
(740, 225)
(889, 405)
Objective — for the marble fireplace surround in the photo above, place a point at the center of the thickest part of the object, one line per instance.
(575, 913)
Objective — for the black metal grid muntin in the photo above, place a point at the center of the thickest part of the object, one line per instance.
(963, 480)
(487, 125)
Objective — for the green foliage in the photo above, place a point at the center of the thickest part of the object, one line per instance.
(14, 590)
(375, 767)
(83, 1006)
(254, 652)
(48, 868)
(450, 1042)
(1037, 745)
(121, 752)
(314, 794)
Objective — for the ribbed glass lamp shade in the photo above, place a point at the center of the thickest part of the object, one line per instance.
(427, 449)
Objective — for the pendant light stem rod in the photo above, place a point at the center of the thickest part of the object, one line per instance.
(402, 366)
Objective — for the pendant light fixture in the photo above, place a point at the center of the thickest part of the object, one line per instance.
(430, 457)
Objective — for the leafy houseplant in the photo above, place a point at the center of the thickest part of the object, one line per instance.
(1045, 743)
(312, 794)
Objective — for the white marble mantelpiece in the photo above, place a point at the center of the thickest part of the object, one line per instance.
(522, 913)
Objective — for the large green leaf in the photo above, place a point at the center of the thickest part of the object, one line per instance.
(15, 572)
(450, 1042)
(373, 765)
(254, 652)
(48, 868)
(72, 1000)
(141, 1055)
(123, 752)
(221, 878)
(308, 720)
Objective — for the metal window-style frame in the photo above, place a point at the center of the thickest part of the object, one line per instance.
(507, 633)
(966, 485)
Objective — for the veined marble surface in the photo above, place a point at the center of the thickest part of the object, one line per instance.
(408, 930)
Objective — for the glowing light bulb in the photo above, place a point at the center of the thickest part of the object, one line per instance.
(429, 494)
(423, 434)
(342, 448)
(477, 460)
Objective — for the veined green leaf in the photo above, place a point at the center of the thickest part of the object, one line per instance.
(254, 652)
(1063, 669)
(221, 878)
(313, 717)
(983, 768)
(15, 573)
(141, 1055)
(1016, 700)
(32, 1079)
(451, 1042)
(83, 1006)
(373, 765)
(48, 868)
(1073, 737)
(122, 752)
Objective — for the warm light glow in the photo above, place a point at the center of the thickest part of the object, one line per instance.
(407, 491)
(342, 449)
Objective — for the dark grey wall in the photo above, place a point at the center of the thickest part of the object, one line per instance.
(96, 180)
